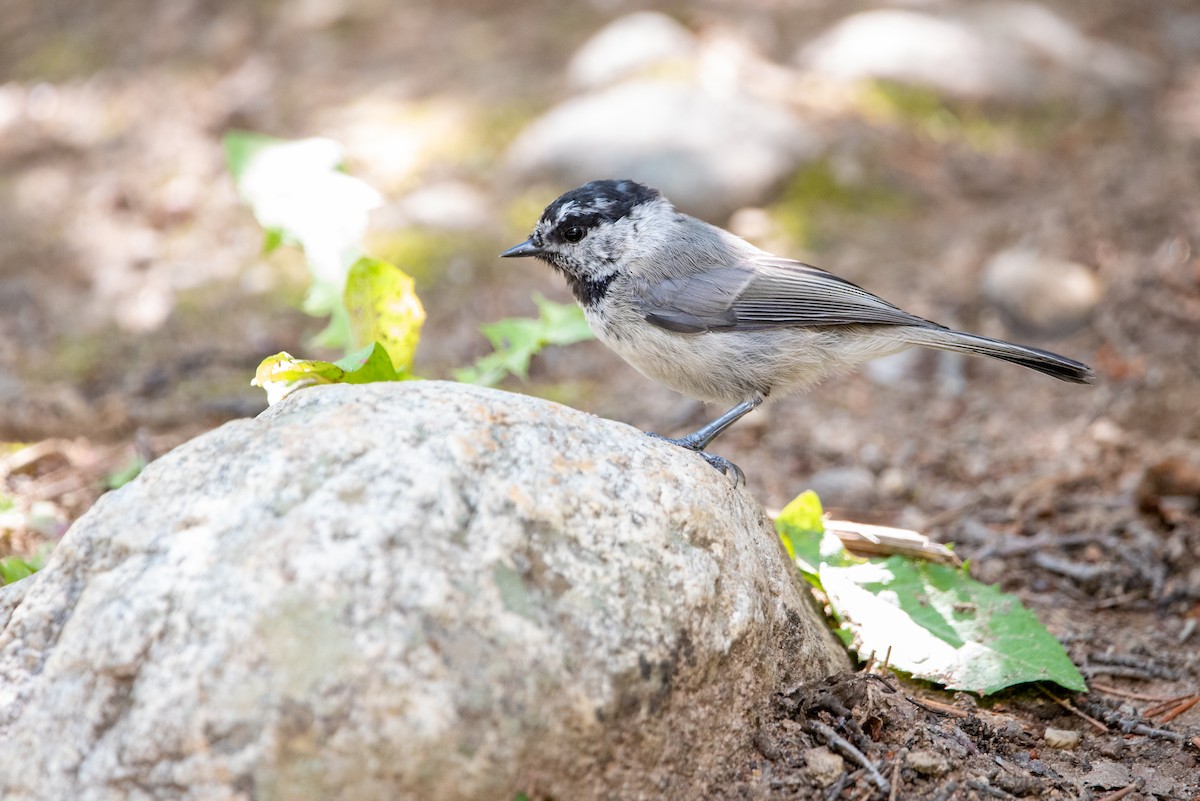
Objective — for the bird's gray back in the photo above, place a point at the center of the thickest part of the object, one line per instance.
(715, 281)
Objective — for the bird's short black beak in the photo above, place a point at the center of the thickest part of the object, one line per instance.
(526, 248)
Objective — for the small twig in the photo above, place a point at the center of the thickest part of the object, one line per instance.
(873, 540)
(887, 658)
(937, 707)
(955, 512)
(1195, 741)
(987, 789)
(887, 685)
(894, 794)
(947, 791)
(1079, 571)
(1118, 600)
(1127, 725)
(848, 750)
(1108, 689)
(1164, 704)
(30, 454)
(834, 791)
(1178, 710)
(1123, 792)
(1034, 544)
(1118, 672)
(1150, 731)
(1149, 665)
(1067, 706)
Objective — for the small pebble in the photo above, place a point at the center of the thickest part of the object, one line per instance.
(1061, 738)
(845, 487)
(1039, 294)
(927, 762)
(1011, 730)
(824, 765)
(894, 483)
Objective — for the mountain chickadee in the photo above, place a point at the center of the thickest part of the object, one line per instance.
(713, 317)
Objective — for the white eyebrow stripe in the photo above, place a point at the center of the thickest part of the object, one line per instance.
(564, 210)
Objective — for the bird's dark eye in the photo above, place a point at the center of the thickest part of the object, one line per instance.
(574, 233)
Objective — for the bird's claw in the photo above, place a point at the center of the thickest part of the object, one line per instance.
(720, 462)
(725, 466)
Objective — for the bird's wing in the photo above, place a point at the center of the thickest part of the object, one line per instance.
(765, 292)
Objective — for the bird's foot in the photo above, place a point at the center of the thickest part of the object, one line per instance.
(725, 466)
(720, 462)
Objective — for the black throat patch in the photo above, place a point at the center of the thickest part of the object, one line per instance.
(589, 293)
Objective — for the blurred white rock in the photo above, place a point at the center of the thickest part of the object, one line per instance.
(444, 206)
(1040, 294)
(710, 153)
(1009, 51)
(845, 487)
(894, 369)
(630, 45)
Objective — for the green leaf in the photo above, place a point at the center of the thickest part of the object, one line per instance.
(562, 323)
(940, 624)
(272, 239)
(282, 374)
(801, 526)
(944, 626)
(382, 306)
(14, 568)
(368, 365)
(241, 147)
(516, 340)
(324, 298)
(123, 475)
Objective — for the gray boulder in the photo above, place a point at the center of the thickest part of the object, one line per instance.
(1040, 295)
(404, 591)
(1004, 50)
(628, 45)
(845, 487)
(710, 153)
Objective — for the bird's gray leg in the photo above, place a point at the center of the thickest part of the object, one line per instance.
(699, 440)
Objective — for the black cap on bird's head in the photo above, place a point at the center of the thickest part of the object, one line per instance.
(569, 218)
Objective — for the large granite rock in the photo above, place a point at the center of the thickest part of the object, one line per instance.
(404, 591)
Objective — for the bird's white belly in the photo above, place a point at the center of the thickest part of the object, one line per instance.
(732, 366)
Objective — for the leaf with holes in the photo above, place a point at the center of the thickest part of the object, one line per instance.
(943, 626)
(383, 307)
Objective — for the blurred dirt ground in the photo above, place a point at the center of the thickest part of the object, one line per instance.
(135, 305)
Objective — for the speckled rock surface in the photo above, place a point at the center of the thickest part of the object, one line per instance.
(405, 591)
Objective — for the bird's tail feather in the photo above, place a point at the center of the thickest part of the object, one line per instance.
(1043, 361)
